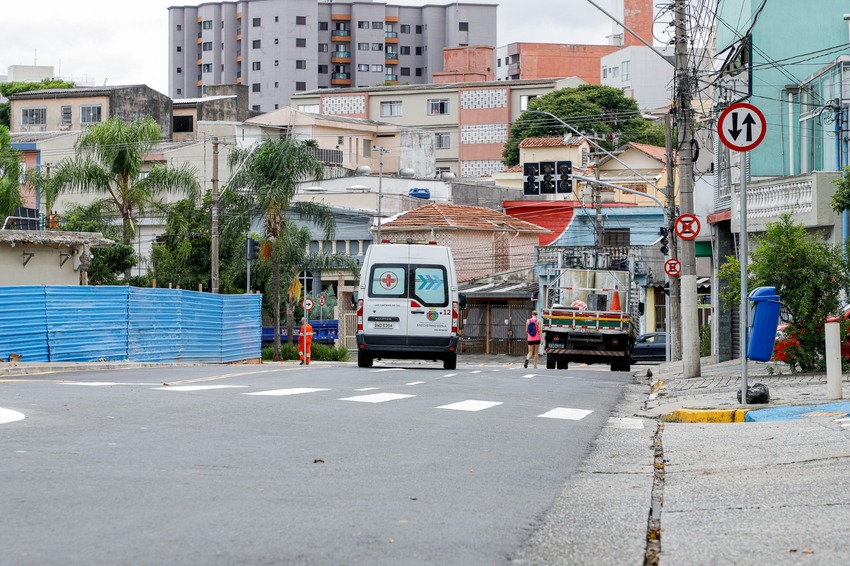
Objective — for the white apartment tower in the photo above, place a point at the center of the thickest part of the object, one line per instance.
(280, 47)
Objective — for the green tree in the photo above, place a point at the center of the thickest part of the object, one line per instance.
(107, 263)
(109, 160)
(263, 185)
(809, 276)
(8, 89)
(10, 171)
(182, 255)
(601, 111)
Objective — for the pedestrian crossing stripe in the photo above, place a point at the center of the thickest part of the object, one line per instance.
(471, 405)
(291, 391)
(197, 387)
(377, 397)
(567, 414)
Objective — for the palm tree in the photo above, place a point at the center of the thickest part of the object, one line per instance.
(264, 183)
(109, 160)
(10, 194)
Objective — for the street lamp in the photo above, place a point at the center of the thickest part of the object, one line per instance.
(381, 151)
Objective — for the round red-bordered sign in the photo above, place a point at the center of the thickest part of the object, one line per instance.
(321, 300)
(673, 267)
(388, 280)
(741, 127)
(687, 226)
(308, 304)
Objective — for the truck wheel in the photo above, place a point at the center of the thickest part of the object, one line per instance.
(364, 360)
(563, 364)
(450, 362)
(550, 364)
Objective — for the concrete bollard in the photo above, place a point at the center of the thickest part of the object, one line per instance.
(832, 331)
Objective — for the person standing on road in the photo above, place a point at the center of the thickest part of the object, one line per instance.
(532, 327)
(305, 341)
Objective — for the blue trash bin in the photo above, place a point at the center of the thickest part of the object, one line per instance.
(763, 323)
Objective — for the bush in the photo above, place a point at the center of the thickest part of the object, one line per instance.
(320, 352)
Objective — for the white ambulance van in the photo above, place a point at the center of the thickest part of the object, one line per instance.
(408, 304)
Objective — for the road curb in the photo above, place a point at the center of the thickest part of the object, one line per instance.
(706, 416)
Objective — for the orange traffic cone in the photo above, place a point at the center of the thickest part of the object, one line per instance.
(615, 301)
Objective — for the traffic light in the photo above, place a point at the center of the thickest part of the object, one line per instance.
(530, 184)
(663, 241)
(252, 249)
(565, 176)
(547, 184)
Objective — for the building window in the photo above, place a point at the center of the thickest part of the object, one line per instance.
(255, 87)
(323, 69)
(179, 48)
(206, 68)
(405, 71)
(463, 26)
(300, 42)
(66, 115)
(616, 237)
(404, 50)
(418, 29)
(276, 63)
(179, 27)
(312, 108)
(276, 84)
(256, 107)
(419, 51)
(391, 108)
(323, 26)
(256, 22)
(206, 46)
(256, 66)
(362, 47)
(626, 67)
(377, 25)
(300, 86)
(438, 106)
(362, 67)
(418, 71)
(300, 63)
(90, 114)
(405, 28)
(323, 48)
(256, 44)
(362, 25)
(614, 72)
(604, 73)
(179, 91)
(377, 47)
(300, 20)
(523, 100)
(207, 24)
(442, 141)
(377, 68)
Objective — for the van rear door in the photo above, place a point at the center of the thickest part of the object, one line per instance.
(386, 305)
(430, 320)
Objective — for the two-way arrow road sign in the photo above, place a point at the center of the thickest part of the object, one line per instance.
(741, 127)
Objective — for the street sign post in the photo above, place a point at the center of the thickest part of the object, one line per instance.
(741, 127)
(687, 226)
(673, 267)
(308, 304)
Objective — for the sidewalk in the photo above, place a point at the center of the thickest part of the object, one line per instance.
(712, 397)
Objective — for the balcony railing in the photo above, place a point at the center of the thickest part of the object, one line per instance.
(341, 33)
(341, 54)
(390, 34)
(341, 76)
(391, 77)
(393, 56)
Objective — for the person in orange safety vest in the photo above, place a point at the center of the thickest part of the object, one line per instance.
(305, 341)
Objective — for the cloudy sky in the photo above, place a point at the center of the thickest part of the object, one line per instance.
(112, 42)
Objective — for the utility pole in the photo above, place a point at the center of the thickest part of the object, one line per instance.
(674, 319)
(214, 227)
(684, 97)
(381, 151)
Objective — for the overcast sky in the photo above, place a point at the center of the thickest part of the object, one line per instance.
(116, 42)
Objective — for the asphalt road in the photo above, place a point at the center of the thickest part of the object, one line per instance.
(331, 464)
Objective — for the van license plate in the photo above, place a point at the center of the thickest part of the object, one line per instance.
(389, 325)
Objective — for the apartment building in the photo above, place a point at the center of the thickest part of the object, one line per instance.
(529, 60)
(282, 47)
(469, 121)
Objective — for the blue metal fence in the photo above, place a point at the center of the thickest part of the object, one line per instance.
(81, 324)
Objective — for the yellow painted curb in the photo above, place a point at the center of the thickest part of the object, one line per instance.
(706, 416)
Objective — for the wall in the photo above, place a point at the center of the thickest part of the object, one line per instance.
(87, 324)
(45, 267)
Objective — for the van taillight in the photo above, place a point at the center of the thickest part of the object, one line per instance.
(454, 317)
(360, 315)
